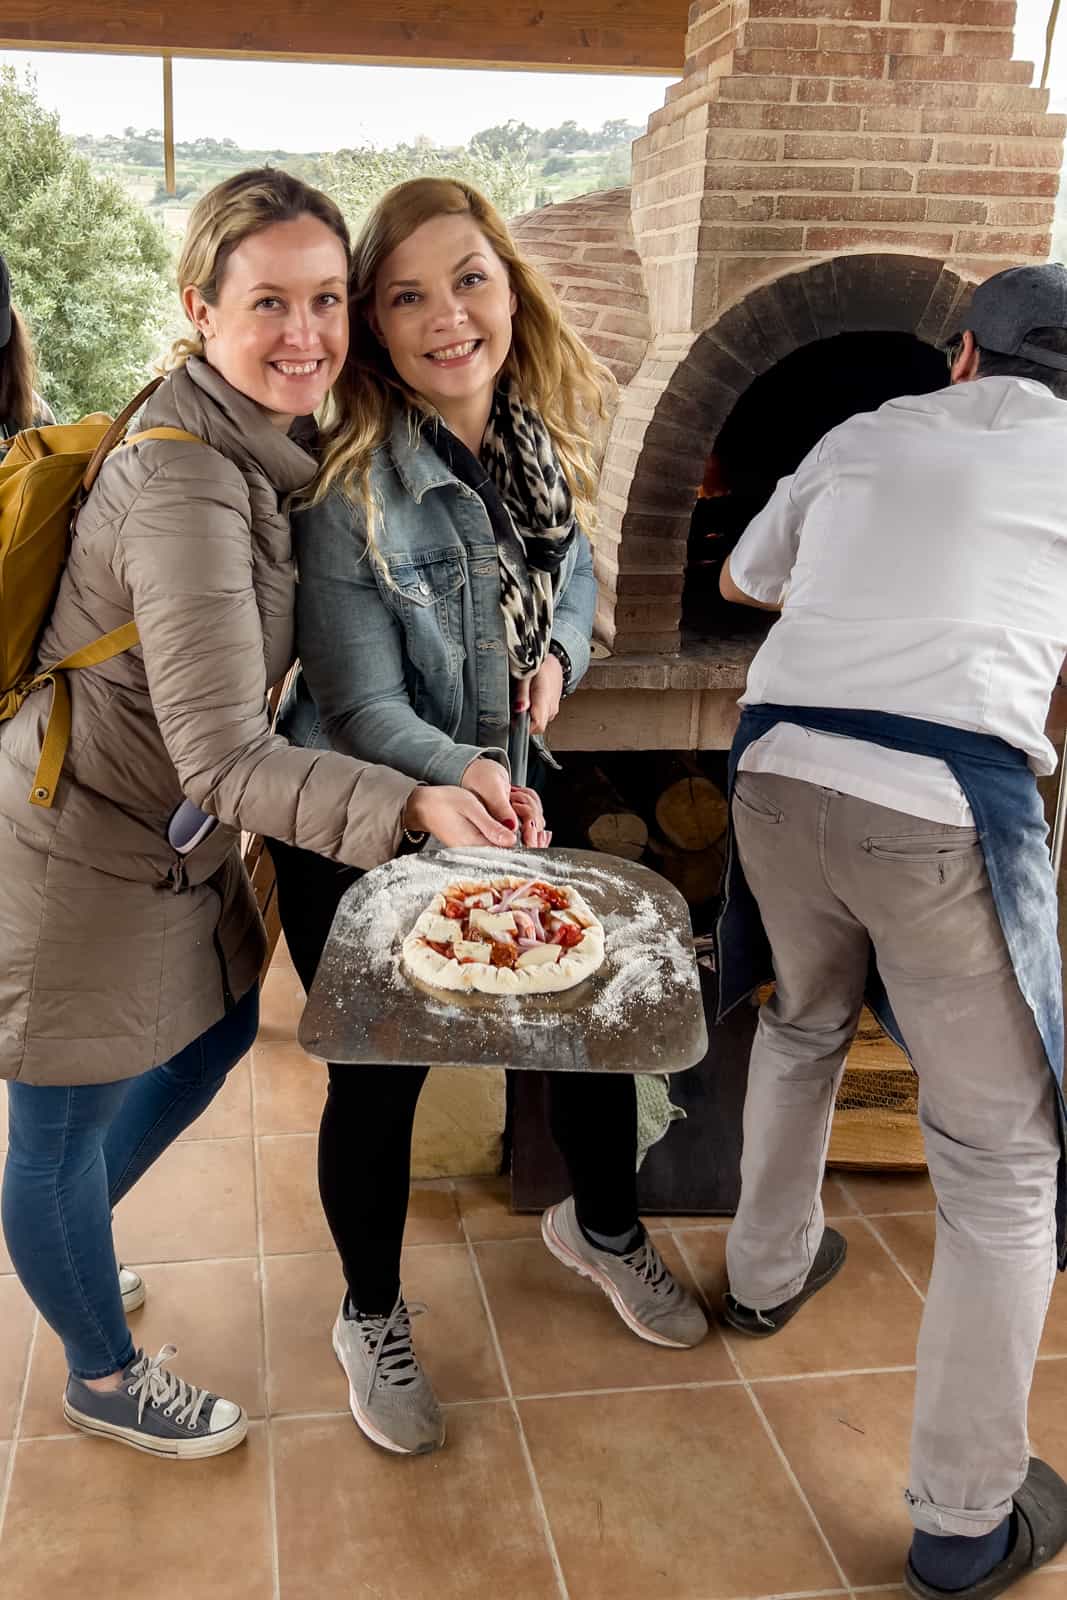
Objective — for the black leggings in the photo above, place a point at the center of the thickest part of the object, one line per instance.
(365, 1134)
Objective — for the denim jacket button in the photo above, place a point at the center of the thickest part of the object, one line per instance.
(424, 587)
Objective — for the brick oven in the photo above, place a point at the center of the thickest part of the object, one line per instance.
(818, 195)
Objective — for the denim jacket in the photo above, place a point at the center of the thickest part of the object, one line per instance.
(413, 673)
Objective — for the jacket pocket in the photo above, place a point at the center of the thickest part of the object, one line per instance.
(427, 583)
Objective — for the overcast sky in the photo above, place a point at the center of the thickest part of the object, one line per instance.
(296, 106)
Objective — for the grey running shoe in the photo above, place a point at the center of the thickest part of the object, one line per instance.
(155, 1411)
(651, 1302)
(133, 1291)
(390, 1395)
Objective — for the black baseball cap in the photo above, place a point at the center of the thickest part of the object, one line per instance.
(1008, 307)
(5, 303)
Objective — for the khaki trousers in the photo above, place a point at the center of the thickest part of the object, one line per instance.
(831, 872)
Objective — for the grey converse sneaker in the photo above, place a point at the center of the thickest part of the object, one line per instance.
(389, 1393)
(133, 1291)
(155, 1411)
(652, 1303)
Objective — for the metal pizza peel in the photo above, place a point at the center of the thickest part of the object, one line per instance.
(641, 1012)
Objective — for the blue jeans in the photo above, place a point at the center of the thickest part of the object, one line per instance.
(73, 1152)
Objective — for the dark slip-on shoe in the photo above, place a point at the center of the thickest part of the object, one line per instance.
(829, 1259)
(1041, 1531)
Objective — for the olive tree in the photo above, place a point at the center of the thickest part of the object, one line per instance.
(90, 270)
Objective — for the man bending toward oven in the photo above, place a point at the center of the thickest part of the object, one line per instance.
(884, 803)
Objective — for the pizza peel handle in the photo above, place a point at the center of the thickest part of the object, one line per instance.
(641, 1012)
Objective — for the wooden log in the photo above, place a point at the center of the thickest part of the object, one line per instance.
(691, 812)
(601, 817)
(696, 874)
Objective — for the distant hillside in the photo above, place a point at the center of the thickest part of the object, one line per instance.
(552, 164)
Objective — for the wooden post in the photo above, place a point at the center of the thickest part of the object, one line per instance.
(1050, 39)
(168, 125)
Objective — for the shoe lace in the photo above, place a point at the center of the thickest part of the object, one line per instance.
(646, 1263)
(154, 1385)
(387, 1340)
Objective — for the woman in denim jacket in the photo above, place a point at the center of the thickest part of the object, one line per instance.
(445, 585)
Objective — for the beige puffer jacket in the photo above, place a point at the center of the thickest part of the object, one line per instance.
(114, 952)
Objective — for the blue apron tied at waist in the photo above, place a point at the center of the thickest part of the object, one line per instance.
(1012, 832)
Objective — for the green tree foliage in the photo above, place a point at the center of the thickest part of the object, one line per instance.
(358, 178)
(89, 268)
(509, 138)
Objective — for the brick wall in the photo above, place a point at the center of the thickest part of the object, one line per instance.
(585, 247)
(898, 135)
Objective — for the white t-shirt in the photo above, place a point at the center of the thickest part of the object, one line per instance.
(922, 553)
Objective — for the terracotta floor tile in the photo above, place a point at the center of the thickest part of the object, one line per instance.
(281, 1004)
(559, 1333)
(16, 1325)
(847, 1441)
(293, 1223)
(868, 1317)
(433, 1217)
(88, 1517)
(289, 1208)
(484, 1205)
(726, 1521)
(453, 1338)
(209, 1309)
(875, 1193)
(911, 1239)
(290, 1088)
(281, 957)
(229, 1116)
(454, 1525)
(197, 1201)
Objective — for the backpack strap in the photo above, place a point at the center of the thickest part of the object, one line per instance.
(57, 731)
(115, 434)
(165, 433)
(56, 739)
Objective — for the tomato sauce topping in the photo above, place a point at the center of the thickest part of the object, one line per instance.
(555, 898)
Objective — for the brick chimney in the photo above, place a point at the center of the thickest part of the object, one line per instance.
(804, 134)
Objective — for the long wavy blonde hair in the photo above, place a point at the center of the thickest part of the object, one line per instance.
(553, 371)
(230, 213)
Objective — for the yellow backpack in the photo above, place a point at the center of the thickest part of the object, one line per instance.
(45, 477)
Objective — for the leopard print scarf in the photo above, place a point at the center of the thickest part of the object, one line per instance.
(519, 481)
(518, 453)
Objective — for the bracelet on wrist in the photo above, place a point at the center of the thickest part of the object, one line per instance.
(557, 650)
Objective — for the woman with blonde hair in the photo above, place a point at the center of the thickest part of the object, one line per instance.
(131, 939)
(446, 592)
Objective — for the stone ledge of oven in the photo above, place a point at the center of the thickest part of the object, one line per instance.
(701, 663)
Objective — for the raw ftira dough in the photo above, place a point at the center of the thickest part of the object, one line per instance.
(538, 976)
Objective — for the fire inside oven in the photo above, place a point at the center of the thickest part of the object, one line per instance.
(780, 417)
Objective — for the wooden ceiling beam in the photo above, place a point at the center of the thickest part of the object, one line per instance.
(572, 35)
